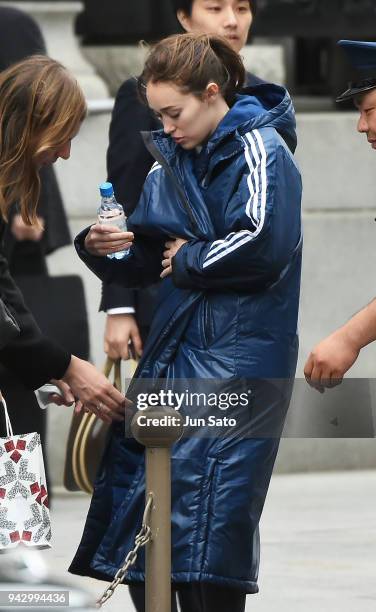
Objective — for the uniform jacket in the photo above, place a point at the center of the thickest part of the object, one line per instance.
(229, 314)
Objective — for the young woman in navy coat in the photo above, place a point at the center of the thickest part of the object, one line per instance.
(219, 221)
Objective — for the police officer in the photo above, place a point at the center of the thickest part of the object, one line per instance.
(333, 356)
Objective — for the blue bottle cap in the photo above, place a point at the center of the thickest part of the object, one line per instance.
(106, 190)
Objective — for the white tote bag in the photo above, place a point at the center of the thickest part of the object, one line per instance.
(24, 513)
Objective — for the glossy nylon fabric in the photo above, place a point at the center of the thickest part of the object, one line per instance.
(228, 313)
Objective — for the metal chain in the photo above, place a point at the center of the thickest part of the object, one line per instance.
(141, 539)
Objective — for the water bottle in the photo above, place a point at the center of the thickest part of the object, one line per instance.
(112, 213)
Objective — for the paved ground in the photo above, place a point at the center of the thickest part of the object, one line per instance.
(318, 545)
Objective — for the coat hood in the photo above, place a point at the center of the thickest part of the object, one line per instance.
(265, 105)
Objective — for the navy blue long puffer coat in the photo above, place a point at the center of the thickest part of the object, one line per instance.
(229, 312)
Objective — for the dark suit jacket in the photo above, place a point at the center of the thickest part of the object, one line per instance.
(128, 163)
(28, 257)
(20, 37)
(28, 41)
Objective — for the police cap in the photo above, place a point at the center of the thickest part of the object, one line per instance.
(362, 56)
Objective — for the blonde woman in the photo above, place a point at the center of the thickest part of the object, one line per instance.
(41, 111)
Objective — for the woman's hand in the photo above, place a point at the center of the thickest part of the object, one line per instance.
(65, 397)
(22, 232)
(95, 391)
(105, 239)
(172, 247)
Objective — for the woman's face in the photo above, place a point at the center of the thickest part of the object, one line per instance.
(231, 19)
(46, 158)
(189, 120)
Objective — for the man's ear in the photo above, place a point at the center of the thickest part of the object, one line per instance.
(184, 20)
(211, 92)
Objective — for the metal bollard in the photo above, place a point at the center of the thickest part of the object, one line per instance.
(158, 429)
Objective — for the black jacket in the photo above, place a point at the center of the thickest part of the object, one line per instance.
(29, 41)
(32, 357)
(128, 163)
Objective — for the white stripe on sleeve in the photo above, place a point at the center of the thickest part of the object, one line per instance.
(256, 157)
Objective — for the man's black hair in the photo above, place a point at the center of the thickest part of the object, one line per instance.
(186, 6)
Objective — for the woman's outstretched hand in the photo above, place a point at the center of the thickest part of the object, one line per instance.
(105, 239)
(95, 391)
(172, 246)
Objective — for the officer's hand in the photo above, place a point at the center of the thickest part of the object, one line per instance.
(330, 360)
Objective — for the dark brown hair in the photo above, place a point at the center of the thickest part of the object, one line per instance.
(191, 61)
(41, 107)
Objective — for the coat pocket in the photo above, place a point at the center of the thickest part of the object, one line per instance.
(207, 326)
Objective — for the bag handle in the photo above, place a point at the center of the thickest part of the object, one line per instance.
(79, 465)
(113, 364)
(7, 419)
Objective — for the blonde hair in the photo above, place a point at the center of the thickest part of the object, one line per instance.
(41, 108)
